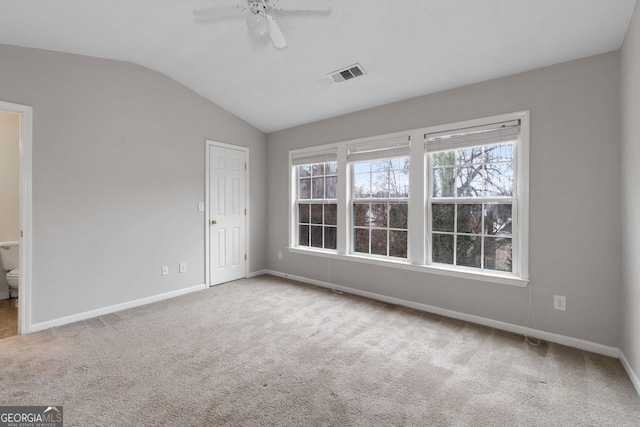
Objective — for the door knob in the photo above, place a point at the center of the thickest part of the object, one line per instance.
(213, 221)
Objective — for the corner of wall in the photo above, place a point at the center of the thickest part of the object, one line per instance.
(630, 142)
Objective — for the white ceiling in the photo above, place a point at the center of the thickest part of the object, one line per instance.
(407, 47)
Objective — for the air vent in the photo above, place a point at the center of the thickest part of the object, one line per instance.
(351, 72)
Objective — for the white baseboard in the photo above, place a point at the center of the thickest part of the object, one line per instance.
(113, 308)
(257, 273)
(547, 336)
(4, 295)
(632, 374)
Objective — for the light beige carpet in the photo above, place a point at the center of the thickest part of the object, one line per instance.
(268, 351)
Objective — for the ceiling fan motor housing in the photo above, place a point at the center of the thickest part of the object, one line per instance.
(258, 6)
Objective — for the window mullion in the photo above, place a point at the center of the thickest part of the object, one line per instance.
(482, 233)
(416, 227)
(344, 202)
(515, 237)
(455, 234)
(293, 205)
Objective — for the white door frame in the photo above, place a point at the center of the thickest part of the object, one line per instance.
(208, 144)
(26, 238)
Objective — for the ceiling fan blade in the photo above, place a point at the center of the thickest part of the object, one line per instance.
(218, 12)
(302, 5)
(276, 35)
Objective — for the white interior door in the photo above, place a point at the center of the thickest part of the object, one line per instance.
(227, 214)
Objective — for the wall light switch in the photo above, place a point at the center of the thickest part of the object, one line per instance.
(165, 270)
(201, 207)
(183, 267)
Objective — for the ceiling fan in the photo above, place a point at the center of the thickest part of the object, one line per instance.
(259, 21)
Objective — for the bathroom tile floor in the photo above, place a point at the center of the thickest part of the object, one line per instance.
(8, 318)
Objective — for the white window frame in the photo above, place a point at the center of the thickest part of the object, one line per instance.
(374, 200)
(520, 199)
(313, 201)
(388, 147)
(419, 244)
(304, 157)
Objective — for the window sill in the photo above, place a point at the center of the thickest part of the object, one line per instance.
(502, 279)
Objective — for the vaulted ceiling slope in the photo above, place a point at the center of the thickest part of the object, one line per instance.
(407, 48)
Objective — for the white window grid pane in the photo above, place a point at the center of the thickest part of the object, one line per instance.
(324, 225)
(318, 170)
(384, 181)
(318, 175)
(441, 167)
(482, 235)
(387, 228)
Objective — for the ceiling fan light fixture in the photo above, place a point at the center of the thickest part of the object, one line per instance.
(258, 24)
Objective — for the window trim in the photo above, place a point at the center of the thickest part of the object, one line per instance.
(419, 236)
(380, 155)
(296, 159)
(514, 128)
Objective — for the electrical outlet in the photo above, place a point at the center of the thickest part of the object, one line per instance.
(560, 302)
(165, 270)
(279, 254)
(182, 268)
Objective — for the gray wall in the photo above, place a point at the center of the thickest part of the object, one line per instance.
(575, 176)
(118, 171)
(631, 200)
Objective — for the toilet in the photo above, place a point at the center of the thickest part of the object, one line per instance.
(9, 252)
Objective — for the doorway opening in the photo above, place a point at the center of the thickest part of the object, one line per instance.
(24, 236)
(227, 207)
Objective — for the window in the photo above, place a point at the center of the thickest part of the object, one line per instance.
(449, 200)
(317, 202)
(380, 196)
(472, 196)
